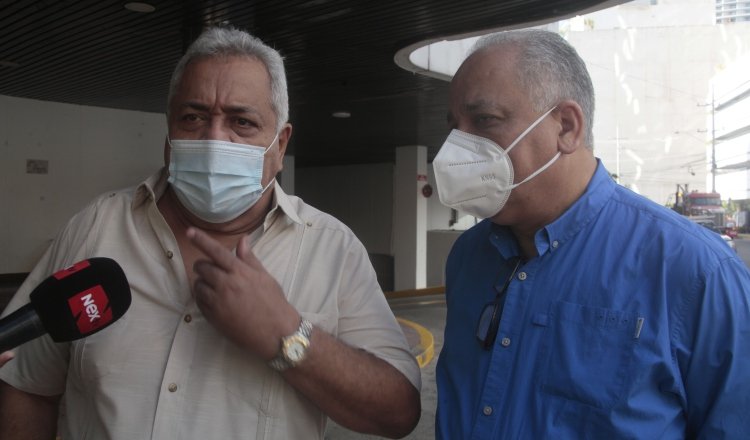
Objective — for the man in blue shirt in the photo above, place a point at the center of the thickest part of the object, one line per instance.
(577, 309)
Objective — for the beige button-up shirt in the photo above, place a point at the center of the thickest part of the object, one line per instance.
(162, 371)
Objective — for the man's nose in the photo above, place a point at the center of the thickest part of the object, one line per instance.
(216, 129)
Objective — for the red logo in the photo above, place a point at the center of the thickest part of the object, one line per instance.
(72, 269)
(91, 309)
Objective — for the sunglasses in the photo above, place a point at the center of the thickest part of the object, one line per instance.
(489, 320)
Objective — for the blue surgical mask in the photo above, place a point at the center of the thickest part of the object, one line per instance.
(217, 180)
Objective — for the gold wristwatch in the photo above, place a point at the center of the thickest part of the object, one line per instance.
(293, 347)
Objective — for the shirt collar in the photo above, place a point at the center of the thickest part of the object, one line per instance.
(154, 187)
(281, 201)
(556, 234)
(581, 213)
(150, 189)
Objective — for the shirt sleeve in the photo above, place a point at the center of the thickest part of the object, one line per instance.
(366, 320)
(40, 366)
(714, 354)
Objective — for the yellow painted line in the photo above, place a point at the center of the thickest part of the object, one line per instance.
(415, 292)
(425, 350)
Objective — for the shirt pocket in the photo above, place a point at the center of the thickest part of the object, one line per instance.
(102, 354)
(589, 353)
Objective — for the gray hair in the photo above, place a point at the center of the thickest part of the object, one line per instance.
(227, 41)
(549, 69)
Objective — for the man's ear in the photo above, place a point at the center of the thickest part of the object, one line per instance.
(572, 127)
(284, 135)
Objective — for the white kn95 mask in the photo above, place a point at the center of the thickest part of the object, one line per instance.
(475, 175)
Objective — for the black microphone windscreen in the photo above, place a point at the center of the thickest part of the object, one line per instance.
(82, 299)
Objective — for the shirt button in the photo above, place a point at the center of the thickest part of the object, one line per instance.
(188, 318)
(309, 224)
(522, 276)
(555, 244)
(505, 342)
(172, 387)
(170, 254)
(487, 410)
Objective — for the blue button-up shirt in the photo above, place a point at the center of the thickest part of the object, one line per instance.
(631, 323)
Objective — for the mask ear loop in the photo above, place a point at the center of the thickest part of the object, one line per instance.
(521, 136)
(536, 173)
(271, 144)
(531, 127)
(264, 153)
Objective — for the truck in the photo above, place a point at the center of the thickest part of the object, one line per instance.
(701, 207)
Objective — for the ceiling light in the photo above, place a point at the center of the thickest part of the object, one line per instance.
(341, 114)
(139, 7)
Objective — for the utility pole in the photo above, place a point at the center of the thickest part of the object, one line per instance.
(713, 141)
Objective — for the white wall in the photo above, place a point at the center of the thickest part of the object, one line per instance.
(358, 195)
(89, 150)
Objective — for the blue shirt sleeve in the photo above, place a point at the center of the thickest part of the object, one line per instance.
(713, 353)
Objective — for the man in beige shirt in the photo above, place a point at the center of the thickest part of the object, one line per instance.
(254, 315)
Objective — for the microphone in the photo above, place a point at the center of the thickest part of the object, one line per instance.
(70, 304)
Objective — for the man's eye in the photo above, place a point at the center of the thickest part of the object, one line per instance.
(242, 122)
(190, 117)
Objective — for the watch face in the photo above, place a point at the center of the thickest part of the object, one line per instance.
(296, 351)
(295, 347)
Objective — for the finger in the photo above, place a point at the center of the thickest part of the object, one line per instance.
(204, 294)
(5, 357)
(220, 255)
(246, 254)
(209, 272)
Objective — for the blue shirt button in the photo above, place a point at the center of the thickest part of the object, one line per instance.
(505, 342)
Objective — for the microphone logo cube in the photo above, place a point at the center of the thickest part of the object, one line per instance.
(71, 270)
(91, 309)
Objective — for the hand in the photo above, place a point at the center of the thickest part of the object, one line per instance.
(5, 357)
(240, 298)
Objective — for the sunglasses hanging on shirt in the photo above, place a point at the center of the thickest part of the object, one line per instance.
(489, 320)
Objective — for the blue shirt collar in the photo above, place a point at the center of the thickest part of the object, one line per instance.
(584, 210)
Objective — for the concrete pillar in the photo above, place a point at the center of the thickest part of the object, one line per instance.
(286, 176)
(409, 218)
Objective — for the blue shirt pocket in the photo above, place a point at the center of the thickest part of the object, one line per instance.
(590, 353)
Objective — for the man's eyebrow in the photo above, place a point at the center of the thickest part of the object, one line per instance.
(231, 109)
(195, 106)
(478, 106)
(237, 109)
(481, 105)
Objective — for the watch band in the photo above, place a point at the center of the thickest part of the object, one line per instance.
(281, 362)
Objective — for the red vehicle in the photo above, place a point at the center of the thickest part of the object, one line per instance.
(704, 206)
(730, 228)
